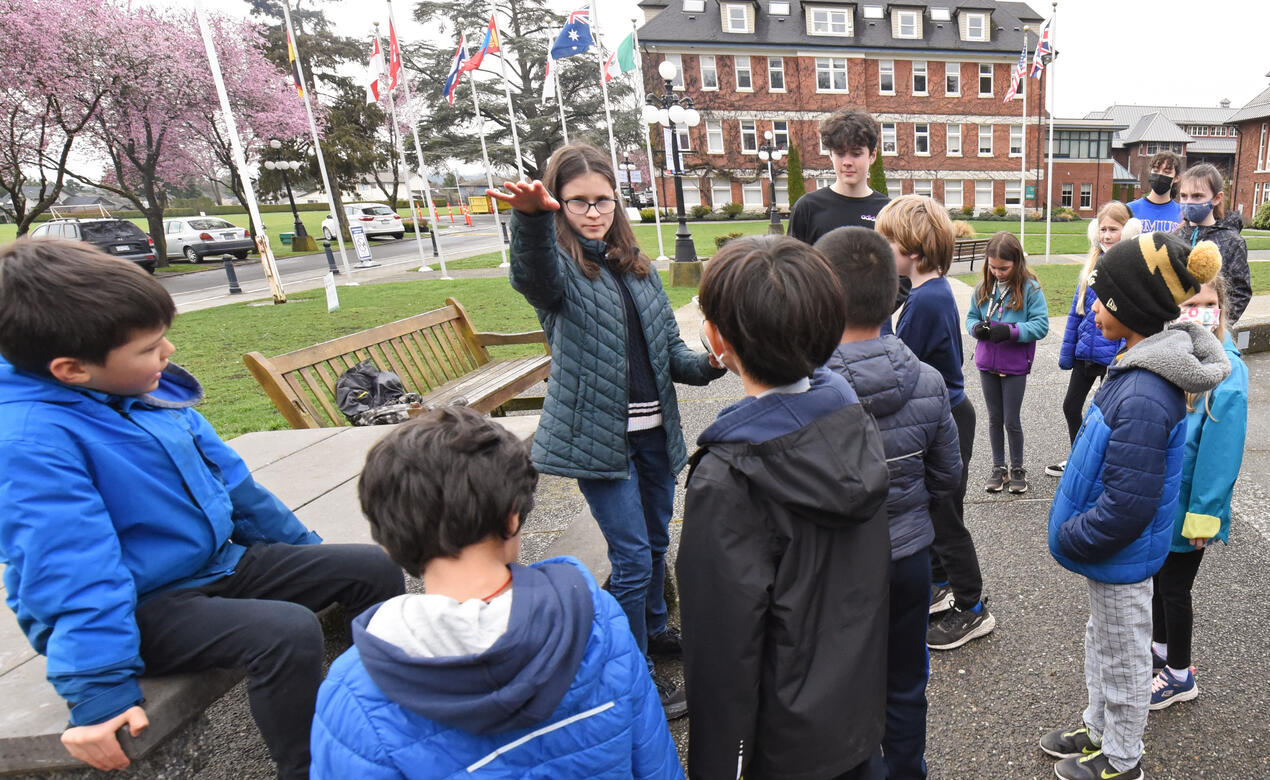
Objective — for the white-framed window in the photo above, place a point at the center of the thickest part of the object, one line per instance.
(780, 133)
(906, 23)
(886, 77)
(709, 72)
(985, 140)
(952, 79)
(720, 192)
(939, 14)
(1012, 193)
(976, 27)
(921, 139)
(1220, 131)
(1261, 147)
(919, 78)
(831, 74)
(954, 140)
(1256, 196)
(985, 79)
(873, 12)
(983, 195)
(775, 74)
(752, 195)
(820, 139)
(1086, 196)
(736, 18)
(778, 8)
(824, 20)
(749, 136)
(824, 181)
(692, 192)
(744, 76)
(953, 193)
(894, 188)
(889, 144)
(714, 136)
(1065, 198)
(924, 187)
(678, 81)
(694, 6)
(782, 191)
(685, 138)
(1016, 140)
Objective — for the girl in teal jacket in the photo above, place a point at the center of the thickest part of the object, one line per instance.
(1215, 426)
(1007, 315)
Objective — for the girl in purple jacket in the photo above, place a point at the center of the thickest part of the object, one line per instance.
(1008, 316)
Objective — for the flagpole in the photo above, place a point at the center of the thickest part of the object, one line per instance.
(648, 144)
(423, 174)
(489, 175)
(604, 87)
(507, 91)
(1049, 175)
(1023, 148)
(317, 146)
(240, 160)
(555, 75)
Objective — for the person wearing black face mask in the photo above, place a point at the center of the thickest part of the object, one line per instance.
(1158, 211)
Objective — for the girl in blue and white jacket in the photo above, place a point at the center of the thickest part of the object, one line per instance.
(1216, 423)
(1084, 351)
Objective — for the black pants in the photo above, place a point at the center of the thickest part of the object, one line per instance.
(907, 668)
(1171, 615)
(953, 557)
(1003, 395)
(1084, 374)
(262, 617)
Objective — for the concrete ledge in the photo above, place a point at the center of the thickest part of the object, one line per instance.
(1252, 335)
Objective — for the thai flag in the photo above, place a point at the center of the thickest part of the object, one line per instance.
(1017, 77)
(1044, 50)
(575, 38)
(456, 70)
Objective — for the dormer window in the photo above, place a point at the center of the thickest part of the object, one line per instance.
(829, 20)
(940, 15)
(906, 23)
(778, 8)
(694, 6)
(873, 12)
(738, 18)
(974, 26)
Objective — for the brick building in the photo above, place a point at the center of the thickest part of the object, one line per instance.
(934, 74)
(1251, 180)
(1196, 133)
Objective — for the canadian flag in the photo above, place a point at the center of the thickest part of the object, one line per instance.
(374, 70)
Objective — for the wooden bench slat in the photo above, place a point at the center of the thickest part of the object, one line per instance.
(462, 361)
(314, 384)
(423, 359)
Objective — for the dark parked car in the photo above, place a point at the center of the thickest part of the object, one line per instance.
(117, 237)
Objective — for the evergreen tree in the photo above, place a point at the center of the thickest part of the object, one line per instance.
(794, 174)
(877, 176)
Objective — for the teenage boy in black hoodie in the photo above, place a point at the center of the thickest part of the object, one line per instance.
(784, 564)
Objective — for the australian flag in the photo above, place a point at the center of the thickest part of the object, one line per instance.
(575, 38)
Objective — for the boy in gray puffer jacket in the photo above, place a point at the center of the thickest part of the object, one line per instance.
(909, 402)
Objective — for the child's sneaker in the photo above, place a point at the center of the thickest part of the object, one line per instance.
(958, 627)
(941, 598)
(1055, 469)
(666, 644)
(1066, 743)
(1095, 767)
(997, 480)
(1166, 689)
(674, 698)
(1018, 480)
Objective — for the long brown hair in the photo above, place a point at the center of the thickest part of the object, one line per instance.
(568, 163)
(1006, 246)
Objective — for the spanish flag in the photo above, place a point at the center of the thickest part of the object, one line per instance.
(295, 65)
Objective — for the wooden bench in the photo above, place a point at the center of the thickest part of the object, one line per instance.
(437, 354)
(970, 249)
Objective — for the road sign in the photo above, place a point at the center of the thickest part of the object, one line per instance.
(362, 245)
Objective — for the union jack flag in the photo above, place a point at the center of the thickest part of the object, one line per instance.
(1044, 50)
(575, 38)
(1017, 77)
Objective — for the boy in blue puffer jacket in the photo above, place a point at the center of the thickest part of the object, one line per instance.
(134, 540)
(499, 670)
(1111, 520)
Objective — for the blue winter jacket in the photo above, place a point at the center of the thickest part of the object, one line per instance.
(1112, 515)
(582, 433)
(1215, 433)
(106, 501)
(563, 693)
(1082, 340)
(909, 402)
(1028, 324)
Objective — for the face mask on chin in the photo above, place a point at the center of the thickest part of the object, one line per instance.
(1160, 184)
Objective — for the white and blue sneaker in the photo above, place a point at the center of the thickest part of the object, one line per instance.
(1166, 689)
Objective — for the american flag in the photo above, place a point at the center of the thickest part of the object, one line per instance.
(1017, 77)
(1044, 50)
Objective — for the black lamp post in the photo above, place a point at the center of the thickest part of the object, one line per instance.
(284, 166)
(770, 153)
(628, 166)
(670, 110)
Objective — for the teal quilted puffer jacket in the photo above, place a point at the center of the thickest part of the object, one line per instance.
(583, 429)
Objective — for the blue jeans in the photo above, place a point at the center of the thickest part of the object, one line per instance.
(634, 516)
(908, 668)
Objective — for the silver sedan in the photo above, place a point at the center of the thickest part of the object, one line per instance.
(198, 237)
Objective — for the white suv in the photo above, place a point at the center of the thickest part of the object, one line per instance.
(375, 218)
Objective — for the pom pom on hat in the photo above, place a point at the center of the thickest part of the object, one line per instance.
(1204, 262)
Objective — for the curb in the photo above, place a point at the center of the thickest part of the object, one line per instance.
(1252, 335)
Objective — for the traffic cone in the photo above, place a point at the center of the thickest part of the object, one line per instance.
(450, 210)
(467, 215)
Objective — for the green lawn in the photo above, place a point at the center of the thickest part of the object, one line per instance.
(211, 342)
(1058, 282)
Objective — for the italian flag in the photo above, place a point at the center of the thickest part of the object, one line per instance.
(622, 60)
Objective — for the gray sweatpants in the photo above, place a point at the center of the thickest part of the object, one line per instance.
(1118, 668)
(1003, 395)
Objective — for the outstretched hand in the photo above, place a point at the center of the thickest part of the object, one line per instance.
(98, 746)
(527, 197)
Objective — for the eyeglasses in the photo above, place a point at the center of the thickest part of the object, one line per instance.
(580, 207)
